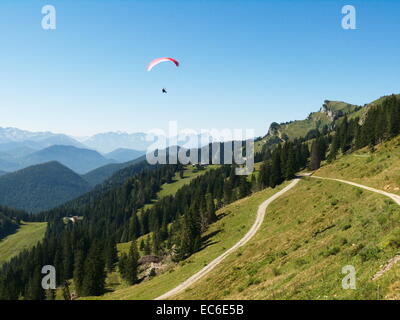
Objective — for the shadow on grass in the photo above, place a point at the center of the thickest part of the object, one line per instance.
(206, 240)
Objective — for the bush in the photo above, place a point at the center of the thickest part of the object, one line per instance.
(334, 202)
(369, 253)
(332, 251)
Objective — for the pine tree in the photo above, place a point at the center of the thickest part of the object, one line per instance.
(94, 276)
(132, 264)
(134, 227)
(78, 271)
(333, 149)
(34, 289)
(189, 240)
(290, 169)
(123, 265)
(265, 174)
(244, 187)
(276, 177)
(111, 255)
(315, 161)
(147, 248)
(212, 217)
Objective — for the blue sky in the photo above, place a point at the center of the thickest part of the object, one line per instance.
(244, 64)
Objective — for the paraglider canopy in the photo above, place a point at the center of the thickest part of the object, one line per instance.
(159, 60)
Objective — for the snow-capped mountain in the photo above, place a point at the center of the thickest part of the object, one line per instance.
(110, 141)
(14, 137)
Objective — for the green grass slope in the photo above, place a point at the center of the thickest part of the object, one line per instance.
(330, 111)
(26, 237)
(308, 236)
(380, 169)
(233, 223)
(169, 189)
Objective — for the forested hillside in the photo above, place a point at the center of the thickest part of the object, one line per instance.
(85, 251)
(41, 187)
(99, 175)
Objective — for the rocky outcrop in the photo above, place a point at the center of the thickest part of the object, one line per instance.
(325, 109)
(274, 129)
(149, 259)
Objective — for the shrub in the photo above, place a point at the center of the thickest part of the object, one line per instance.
(226, 292)
(334, 202)
(332, 251)
(369, 253)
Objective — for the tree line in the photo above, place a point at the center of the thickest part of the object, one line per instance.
(87, 250)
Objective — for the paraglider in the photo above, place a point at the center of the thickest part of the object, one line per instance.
(155, 62)
(159, 60)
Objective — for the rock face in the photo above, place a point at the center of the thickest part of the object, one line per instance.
(149, 259)
(387, 267)
(274, 129)
(325, 109)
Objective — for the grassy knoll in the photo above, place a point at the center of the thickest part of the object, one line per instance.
(308, 235)
(234, 221)
(27, 236)
(380, 169)
(169, 189)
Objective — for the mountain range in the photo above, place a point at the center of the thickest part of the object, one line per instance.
(20, 149)
(65, 166)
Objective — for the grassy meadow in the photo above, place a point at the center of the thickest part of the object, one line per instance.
(26, 237)
(308, 235)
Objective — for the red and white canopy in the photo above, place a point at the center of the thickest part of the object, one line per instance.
(159, 60)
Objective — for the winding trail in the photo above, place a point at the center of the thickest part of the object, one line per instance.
(253, 230)
(390, 264)
(393, 196)
(256, 226)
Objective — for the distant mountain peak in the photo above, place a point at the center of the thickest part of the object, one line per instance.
(41, 186)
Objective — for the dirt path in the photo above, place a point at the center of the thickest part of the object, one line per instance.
(394, 197)
(253, 230)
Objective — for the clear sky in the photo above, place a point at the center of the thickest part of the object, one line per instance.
(244, 64)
